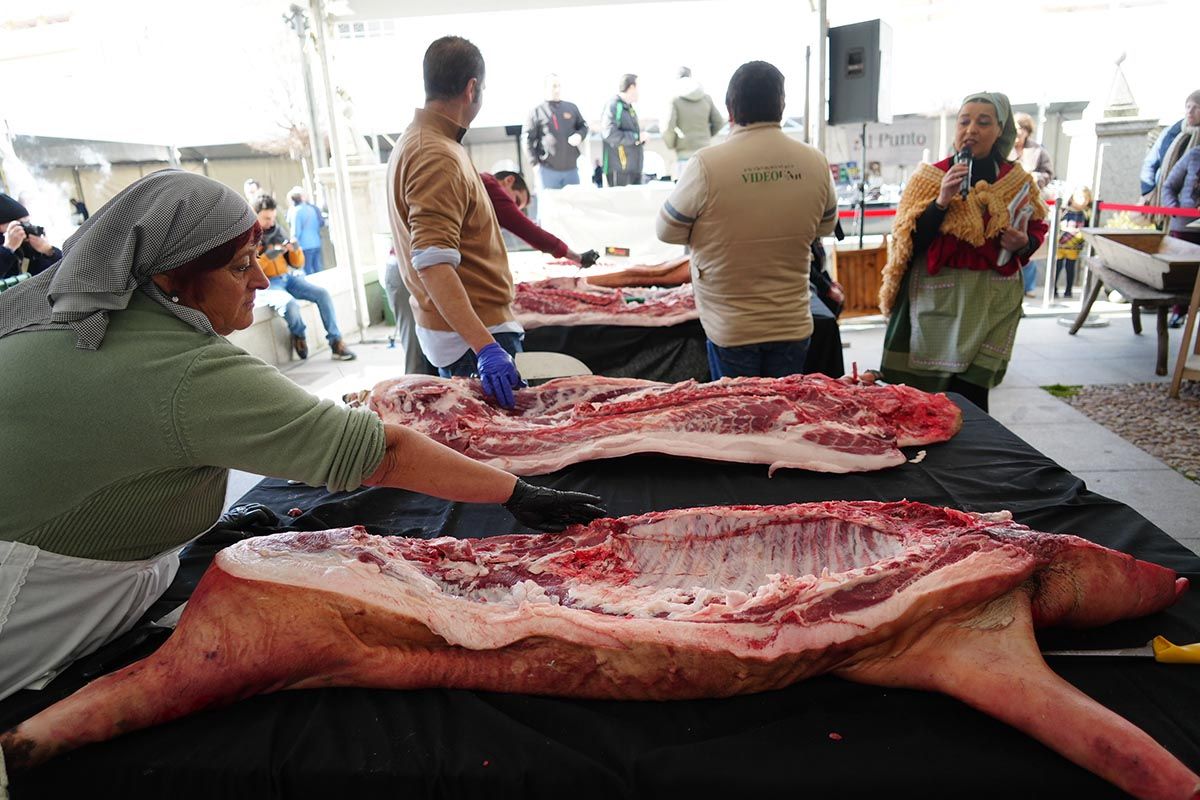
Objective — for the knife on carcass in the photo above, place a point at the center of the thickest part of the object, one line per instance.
(1158, 648)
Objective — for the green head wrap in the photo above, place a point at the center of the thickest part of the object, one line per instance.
(1004, 118)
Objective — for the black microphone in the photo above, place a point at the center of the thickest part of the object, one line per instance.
(964, 157)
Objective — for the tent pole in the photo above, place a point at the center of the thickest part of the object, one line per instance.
(345, 205)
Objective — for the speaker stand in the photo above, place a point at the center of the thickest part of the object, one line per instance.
(862, 189)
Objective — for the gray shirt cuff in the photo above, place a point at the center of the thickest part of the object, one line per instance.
(432, 256)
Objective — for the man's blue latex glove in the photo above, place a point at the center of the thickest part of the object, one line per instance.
(498, 374)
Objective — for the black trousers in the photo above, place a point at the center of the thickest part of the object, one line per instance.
(1067, 264)
(972, 391)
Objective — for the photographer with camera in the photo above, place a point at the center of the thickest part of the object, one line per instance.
(25, 248)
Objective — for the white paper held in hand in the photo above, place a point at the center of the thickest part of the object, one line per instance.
(1020, 210)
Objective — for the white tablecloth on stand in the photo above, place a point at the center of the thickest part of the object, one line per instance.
(623, 216)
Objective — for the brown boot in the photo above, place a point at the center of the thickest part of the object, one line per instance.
(340, 351)
(301, 346)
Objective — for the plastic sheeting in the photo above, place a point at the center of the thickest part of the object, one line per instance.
(620, 216)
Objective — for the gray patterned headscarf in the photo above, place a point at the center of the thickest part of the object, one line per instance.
(153, 226)
(1004, 118)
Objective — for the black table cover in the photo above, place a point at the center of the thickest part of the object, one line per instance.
(673, 353)
(440, 743)
(670, 354)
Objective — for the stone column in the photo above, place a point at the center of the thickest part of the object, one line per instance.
(1126, 139)
(371, 237)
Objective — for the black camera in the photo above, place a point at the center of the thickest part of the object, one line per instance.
(33, 230)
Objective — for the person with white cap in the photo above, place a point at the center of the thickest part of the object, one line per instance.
(126, 407)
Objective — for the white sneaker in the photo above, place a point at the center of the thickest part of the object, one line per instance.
(1116, 297)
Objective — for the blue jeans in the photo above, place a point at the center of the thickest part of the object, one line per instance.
(763, 360)
(558, 178)
(1029, 275)
(466, 365)
(312, 261)
(293, 284)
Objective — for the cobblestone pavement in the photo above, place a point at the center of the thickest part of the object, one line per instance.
(1142, 414)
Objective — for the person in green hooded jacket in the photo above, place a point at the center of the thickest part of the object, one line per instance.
(693, 122)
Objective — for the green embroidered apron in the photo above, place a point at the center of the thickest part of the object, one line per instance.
(957, 323)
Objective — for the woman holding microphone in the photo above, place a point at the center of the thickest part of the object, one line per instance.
(952, 284)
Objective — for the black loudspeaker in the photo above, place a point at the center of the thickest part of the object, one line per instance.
(860, 60)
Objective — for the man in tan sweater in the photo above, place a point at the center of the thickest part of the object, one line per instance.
(452, 256)
(750, 208)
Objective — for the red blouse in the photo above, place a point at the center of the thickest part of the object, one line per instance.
(950, 251)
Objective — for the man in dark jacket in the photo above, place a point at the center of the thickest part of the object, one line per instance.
(1181, 189)
(623, 139)
(552, 136)
(22, 248)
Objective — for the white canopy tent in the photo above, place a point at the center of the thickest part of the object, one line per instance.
(177, 74)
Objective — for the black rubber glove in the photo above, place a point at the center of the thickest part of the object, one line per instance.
(551, 510)
(588, 259)
(247, 516)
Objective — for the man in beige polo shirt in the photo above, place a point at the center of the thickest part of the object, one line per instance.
(452, 257)
(750, 208)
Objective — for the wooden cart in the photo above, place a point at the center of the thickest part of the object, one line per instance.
(1150, 257)
(1187, 364)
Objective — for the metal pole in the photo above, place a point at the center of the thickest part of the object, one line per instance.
(1094, 320)
(1094, 221)
(807, 94)
(345, 205)
(822, 70)
(862, 189)
(299, 23)
(941, 134)
(79, 185)
(1052, 254)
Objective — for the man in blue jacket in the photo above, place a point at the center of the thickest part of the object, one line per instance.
(306, 223)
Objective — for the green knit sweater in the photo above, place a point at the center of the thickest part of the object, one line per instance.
(123, 453)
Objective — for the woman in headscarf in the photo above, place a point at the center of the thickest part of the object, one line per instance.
(953, 304)
(125, 408)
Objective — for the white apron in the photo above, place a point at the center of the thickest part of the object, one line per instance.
(55, 609)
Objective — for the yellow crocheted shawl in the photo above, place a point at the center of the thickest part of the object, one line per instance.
(964, 218)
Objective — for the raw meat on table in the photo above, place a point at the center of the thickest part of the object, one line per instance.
(802, 421)
(674, 272)
(573, 301)
(691, 603)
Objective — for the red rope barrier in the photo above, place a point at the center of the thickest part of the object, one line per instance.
(870, 212)
(1170, 212)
